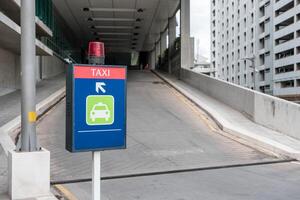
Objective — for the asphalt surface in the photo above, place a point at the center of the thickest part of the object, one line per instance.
(166, 132)
(266, 182)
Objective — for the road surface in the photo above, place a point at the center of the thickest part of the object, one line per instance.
(166, 132)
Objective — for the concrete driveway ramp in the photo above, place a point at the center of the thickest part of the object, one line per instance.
(165, 132)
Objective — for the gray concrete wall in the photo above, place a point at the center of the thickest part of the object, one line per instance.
(235, 96)
(277, 114)
(52, 66)
(10, 70)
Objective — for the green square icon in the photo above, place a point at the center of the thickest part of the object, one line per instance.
(100, 110)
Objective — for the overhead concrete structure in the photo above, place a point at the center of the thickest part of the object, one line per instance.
(140, 20)
(128, 26)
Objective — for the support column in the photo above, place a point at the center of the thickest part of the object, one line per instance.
(153, 59)
(172, 38)
(163, 42)
(186, 61)
(163, 47)
(157, 51)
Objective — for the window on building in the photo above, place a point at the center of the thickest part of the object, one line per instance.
(284, 54)
(261, 59)
(287, 84)
(284, 8)
(262, 11)
(262, 27)
(262, 89)
(298, 49)
(298, 33)
(262, 75)
(284, 39)
(298, 16)
(261, 43)
(284, 69)
(284, 24)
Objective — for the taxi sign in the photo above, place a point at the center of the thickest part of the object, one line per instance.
(95, 107)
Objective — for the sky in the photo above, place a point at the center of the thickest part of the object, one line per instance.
(200, 25)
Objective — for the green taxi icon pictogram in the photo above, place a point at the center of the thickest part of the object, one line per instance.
(99, 110)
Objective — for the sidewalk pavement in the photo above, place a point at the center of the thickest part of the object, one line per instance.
(10, 106)
(235, 124)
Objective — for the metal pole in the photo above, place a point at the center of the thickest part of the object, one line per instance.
(96, 190)
(28, 117)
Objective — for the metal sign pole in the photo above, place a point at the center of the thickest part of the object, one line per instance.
(96, 188)
(28, 117)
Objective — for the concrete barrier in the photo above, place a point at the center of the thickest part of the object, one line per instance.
(274, 113)
(10, 130)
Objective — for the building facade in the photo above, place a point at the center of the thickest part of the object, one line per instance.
(52, 44)
(266, 32)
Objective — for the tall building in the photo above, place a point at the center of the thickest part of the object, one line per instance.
(266, 32)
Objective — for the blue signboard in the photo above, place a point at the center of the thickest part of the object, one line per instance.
(96, 108)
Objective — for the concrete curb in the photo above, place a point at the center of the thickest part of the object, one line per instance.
(262, 143)
(9, 131)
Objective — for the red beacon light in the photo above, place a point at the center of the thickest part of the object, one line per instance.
(96, 53)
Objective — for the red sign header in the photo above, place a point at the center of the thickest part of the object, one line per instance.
(99, 72)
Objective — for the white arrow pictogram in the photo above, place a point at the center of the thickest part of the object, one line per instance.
(99, 86)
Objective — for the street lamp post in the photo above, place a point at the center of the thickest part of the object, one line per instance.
(28, 116)
(252, 59)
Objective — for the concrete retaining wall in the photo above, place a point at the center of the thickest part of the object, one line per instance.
(52, 66)
(46, 67)
(9, 69)
(269, 111)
